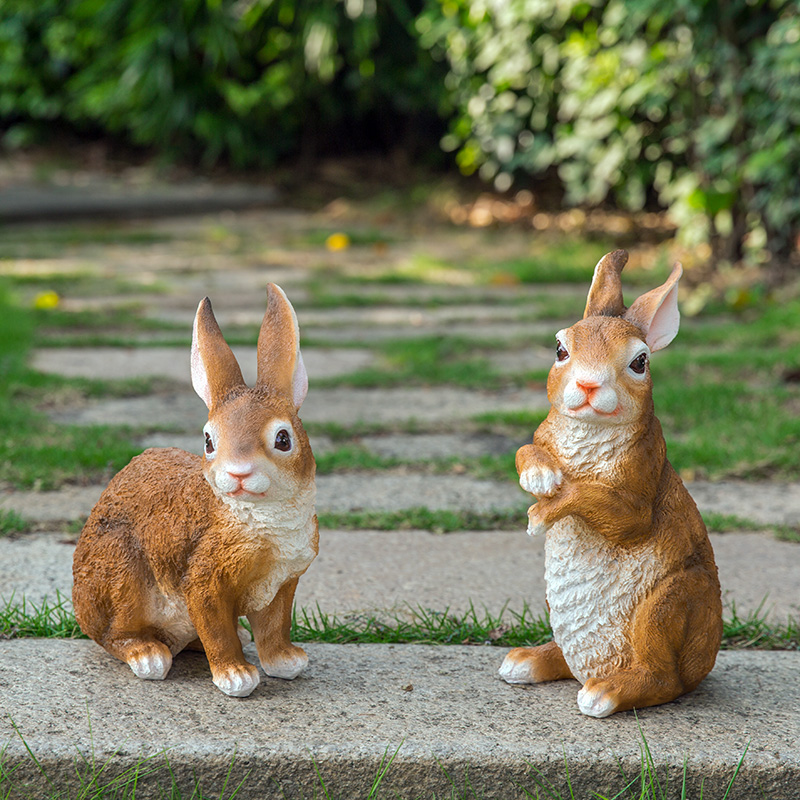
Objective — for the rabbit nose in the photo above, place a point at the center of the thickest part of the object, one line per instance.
(240, 471)
(588, 387)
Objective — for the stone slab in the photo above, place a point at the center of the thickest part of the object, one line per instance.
(442, 709)
(424, 446)
(378, 571)
(485, 331)
(426, 405)
(763, 503)
(194, 442)
(173, 363)
(32, 203)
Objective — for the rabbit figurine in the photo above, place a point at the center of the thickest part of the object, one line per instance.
(178, 547)
(632, 586)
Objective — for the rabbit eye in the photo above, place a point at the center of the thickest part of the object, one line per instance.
(283, 441)
(639, 364)
(562, 354)
(209, 445)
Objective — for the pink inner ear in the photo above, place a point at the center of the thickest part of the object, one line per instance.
(299, 381)
(665, 322)
(199, 375)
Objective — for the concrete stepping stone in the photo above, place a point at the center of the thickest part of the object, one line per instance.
(443, 707)
(432, 446)
(114, 363)
(406, 447)
(183, 411)
(478, 331)
(104, 199)
(395, 490)
(382, 571)
(398, 490)
(193, 442)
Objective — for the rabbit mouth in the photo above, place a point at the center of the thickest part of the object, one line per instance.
(587, 409)
(242, 491)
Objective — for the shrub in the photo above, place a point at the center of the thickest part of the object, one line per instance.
(690, 104)
(248, 82)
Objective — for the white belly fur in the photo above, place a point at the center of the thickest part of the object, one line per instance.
(592, 589)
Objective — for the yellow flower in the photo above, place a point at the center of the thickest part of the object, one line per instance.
(337, 241)
(46, 300)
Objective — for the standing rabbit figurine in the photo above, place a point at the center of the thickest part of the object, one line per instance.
(179, 547)
(632, 586)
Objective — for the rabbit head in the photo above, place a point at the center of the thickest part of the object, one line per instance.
(601, 375)
(256, 449)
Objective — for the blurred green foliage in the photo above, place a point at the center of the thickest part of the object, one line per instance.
(689, 104)
(247, 81)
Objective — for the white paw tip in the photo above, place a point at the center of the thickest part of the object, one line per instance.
(151, 668)
(540, 482)
(237, 683)
(515, 672)
(287, 669)
(595, 704)
(535, 527)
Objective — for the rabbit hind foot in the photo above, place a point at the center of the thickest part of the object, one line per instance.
(149, 659)
(535, 664)
(626, 690)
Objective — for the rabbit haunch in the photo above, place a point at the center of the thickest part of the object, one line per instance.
(632, 586)
(178, 547)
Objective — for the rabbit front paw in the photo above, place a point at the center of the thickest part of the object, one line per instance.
(541, 481)
(536, 524)
(151, 661)
(237, 681)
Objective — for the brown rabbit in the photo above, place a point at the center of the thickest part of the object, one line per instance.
(632, 586)
(179, 547)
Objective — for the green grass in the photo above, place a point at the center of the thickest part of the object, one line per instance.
(352, 457)
(50, 241)
(725, 523)
(12, 522)
(358, 236)
(57, 327)
(357, 458)
(424, 519)
(82, 284)
(521, 422)
(412, 625)
(36, 451)
(720, 395)
(152, 776)
(425, 361)
(149, 776)
(651, 782)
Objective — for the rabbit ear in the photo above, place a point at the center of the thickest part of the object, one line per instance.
(214, 367)
(280, 365)
(605, 294)
(656, 312)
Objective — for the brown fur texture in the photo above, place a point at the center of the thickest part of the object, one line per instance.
(631, 581)
(179, 547)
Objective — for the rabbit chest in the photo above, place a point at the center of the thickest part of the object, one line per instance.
(287, 535)
(593, 588)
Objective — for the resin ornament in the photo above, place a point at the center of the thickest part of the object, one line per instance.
(179, 547)
(632, 586)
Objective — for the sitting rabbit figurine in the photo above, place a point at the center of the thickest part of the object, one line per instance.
(632, 586)
(179, 547)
